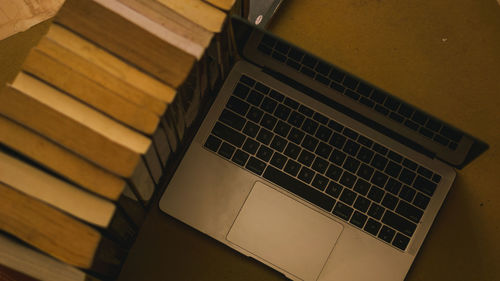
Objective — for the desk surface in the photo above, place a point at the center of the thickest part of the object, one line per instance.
(442, 56)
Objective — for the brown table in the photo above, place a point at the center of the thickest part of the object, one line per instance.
(442, 56)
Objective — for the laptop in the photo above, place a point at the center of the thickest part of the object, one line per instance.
(313, 171)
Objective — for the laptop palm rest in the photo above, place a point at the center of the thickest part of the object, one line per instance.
(284, 232)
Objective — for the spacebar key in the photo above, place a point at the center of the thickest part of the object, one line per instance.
(304, 191)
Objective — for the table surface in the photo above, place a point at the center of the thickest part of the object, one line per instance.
(442, 56)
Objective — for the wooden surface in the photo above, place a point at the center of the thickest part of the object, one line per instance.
(442, 56)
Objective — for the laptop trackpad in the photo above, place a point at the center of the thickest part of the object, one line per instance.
(284, 232)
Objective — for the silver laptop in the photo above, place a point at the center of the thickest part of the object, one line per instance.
(312, 171)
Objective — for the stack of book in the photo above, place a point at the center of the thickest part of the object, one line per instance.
(89, 125)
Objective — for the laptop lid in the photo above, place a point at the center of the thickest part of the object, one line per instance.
(356, 98)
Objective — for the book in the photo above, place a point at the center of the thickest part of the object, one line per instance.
(74, 125)
(161, 143)
(60, 160)
(225, 5)
(33, 265)
(51, 190)
(57, 234)
(132, 37)
(100, 76)
(73, 83)
(198, 12)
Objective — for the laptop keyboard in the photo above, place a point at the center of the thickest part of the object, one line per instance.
(318, 159)
(350, 86)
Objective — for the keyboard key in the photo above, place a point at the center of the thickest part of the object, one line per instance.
(353, 95)
(451, 133)
(250, 146)
(399, 223)
(265, 49)
(226, 150)
(379, 162)
(407, 176)
(337, 87)
(424, 185)
(405, 110)
(361, 186)
(334, 189)
(382, 110)
(419, 117)
(282, 128)
(255, 98)
(412, 125)
(351, 147)
(296, 119)
(337, 140)
(306, 111)
(421, 201)
(364, 89)
(296, 136)
(333, 172)
(348, 179)
(378, 96)
(436, 178)
(310, 126)
(265, 136)
(409, 212)
(366, 102)
(433, 125)
(237, 105)
(389, 201)
(255, 114)
(264, 153)
(396, 117)
(320, 118)
(268, 121)
(376, 211)
(395, 157)
(379, 179)
(375, 194)
(424, 172)
(427, 133)
(228, 134)
(441, 139)
(324, 150)
(306, 175)
(365, 155)
(292, 167)
(241, 91)
(320, 182)
(231, 119)
(240, 157)
(351, 164)
(322, 79)
(337, 75)
(292, 150)
(342, 211)
(410, 164)
(407, 193)
(391, 103)
(278, 143)
(351, 82)
(309, 61)
(279, 57)
(306, 158)
(268, 40)
(361, 204)
(278, 160)
(380, 149)
(335, 126)
(276, 95)
(251, 129)
(247, 80)
(350, 133)
(393, 169)
(323, 68)
(282, 112)
(365, 172)
(358, 219)
(393, 186)
(291, 103)
(365, 141)
(372, 226)
(347, 196)
(298, 188)
(296, 54)
(319, 165)
(309, 143)
(268, 105)
(323, 133)
(338, 157)
(262, 88)
(213, 143)
(386, 234)
(293, 64)
(401, 241)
